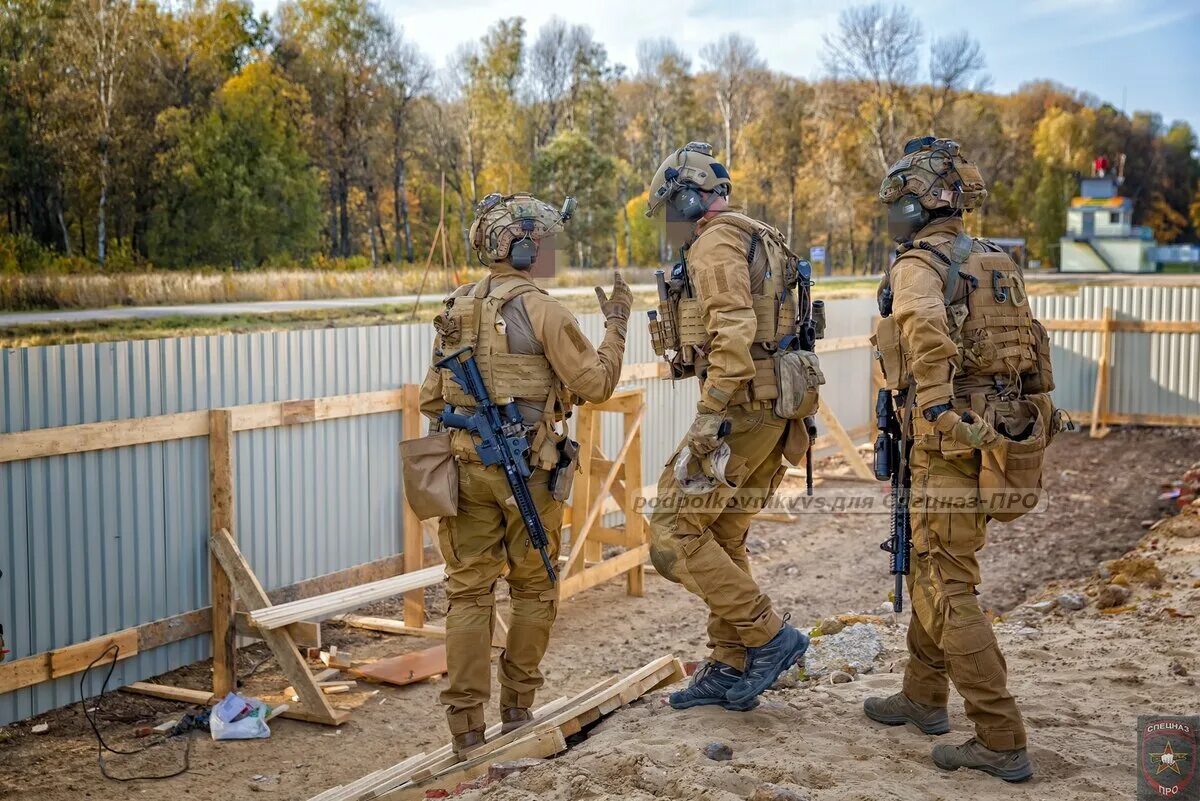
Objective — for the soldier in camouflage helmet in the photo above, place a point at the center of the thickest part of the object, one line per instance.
(736, 286)
(530, 349)
(969, 371)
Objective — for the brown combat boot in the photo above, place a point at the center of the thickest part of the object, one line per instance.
(467, 741)
(896, 710)
(1012, 766)
(513, 718)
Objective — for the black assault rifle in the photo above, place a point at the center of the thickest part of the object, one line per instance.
(502, 441)
(805, 338)
(891, 462)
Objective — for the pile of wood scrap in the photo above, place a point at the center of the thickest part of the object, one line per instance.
(544, 737)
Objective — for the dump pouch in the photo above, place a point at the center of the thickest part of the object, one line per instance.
(799, 377)
(1010, 475)
(430, 475)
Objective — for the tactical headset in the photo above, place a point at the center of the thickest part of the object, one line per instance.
(688, 201)
(906, 216)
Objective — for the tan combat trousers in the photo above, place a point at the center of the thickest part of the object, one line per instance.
(949, 638)
(488, 534)
(699, 541)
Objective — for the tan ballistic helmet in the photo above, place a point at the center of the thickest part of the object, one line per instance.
(935, 171)
(693, 164)
(501, 220)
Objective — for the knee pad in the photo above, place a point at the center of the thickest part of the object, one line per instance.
(663, 560)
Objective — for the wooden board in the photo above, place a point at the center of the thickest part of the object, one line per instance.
(305, 634)
(278, 640)
(396, 774)
(538, 745)
(389, 626)
(405, 668)
(221, 517)
(67, 660)
(98, 436)
(330, 604)
(414, 534)
(849, 450)
(185, 695)
(604, 571)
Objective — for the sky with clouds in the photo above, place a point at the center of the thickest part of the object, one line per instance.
(1135, 54)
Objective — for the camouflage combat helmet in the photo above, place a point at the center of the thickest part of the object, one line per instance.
(502, 220)
(691, 166)
(936, 173)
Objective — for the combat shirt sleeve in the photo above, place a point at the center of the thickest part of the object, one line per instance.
(925, 333)
(588, 372)
(431, 390)
(719, 272)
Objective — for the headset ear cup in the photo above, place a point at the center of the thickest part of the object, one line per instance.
(522, 254)
(688, 204)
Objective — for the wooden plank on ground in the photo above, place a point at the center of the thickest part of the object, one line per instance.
(391, 777)
(405, 668)
(389, 626)
(185, 695)
(535, 746)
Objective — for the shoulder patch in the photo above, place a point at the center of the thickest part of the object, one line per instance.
(577, 338)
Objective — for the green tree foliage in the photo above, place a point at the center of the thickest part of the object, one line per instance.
(570, 164)
(146, 132)
(241, 185)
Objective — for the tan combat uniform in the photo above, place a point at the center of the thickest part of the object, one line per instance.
(528, 346)
(949, 637)
(700, 541)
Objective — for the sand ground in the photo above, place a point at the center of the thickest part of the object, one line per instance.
(1081, 678)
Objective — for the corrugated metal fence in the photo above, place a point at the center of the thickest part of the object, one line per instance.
(1151, 373)
(97, 542)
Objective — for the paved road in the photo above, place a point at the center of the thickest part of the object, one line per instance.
(12, 319)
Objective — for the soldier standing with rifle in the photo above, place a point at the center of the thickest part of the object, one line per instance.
(510, 362)
(736, 313)
(965, 419)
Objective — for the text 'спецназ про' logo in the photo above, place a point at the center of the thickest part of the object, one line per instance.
(1167, 757)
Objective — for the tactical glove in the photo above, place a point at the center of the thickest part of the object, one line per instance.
(705, 434)
(617, 306)
(966, 429)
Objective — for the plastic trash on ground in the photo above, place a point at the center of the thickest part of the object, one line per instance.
(239, 718)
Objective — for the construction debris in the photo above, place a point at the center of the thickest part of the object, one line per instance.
(424, 775)
(406, 668)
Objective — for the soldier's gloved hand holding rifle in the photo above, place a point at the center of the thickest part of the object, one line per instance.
(616, 308)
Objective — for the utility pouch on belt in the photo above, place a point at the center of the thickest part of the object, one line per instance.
(890, 353)
(430, 475)
(1042, 379)
(1010, 475)
(562, 477)
(799, 376)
